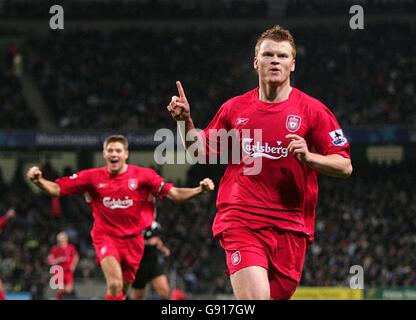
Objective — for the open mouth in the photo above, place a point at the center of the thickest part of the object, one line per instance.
(114, 161)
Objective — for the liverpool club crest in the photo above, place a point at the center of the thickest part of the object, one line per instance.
(132, 184)
(293, 123)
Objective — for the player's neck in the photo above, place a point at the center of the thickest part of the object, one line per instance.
(274, 93)
(122, 170)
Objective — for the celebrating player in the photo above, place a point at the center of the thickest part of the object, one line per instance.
(65, 255)
(3, 220)
(117, 193)
(265, 220)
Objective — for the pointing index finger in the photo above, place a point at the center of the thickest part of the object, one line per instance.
(180, 90)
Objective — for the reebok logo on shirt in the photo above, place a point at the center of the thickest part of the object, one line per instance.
(240, 121)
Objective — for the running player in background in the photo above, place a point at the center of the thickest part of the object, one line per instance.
(152, 266)
(65, 255)
(117, 193)
(3, 220)
(266, 220)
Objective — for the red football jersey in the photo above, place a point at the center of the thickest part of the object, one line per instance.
(117, 201)
(284, 192)
(63, 256)
(3, 221)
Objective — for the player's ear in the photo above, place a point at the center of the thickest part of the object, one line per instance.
(255, 64)
(293, 67)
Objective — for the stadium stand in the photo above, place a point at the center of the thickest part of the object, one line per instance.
(102, 79)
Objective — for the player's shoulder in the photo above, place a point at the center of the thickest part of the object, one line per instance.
(311, 103)
(135, 169)
(308, 100)
(238, 100)
(91, 171)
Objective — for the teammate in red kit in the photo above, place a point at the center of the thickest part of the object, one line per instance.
(117, 192)
(265, 220)
(3, 220)
(65, 255)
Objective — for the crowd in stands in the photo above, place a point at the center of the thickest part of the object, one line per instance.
(108, 74)
(138, 9)
(195, 9)
(318, 8)
(100, 80)
(124, 78)
(367, 220)
(15, 112)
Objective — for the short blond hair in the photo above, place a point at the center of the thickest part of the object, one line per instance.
(277, 33)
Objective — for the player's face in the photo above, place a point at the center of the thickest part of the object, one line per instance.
(274, 62)
(116, 156)
(62, 240)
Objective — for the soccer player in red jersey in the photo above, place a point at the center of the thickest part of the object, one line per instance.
(65, 255)
(266, 220)
(117, 192)
(3, 220)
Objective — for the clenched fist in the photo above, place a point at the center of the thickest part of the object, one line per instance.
(207, 185)
(34, 174)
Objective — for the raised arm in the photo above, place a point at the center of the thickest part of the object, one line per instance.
(184, 194)
(3, 220)
(34, 174)
(180, 110)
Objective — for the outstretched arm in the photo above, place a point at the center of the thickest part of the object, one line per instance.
(51, 260)
(333, 165)
(34, 174)
(3, 220)
(184, 194)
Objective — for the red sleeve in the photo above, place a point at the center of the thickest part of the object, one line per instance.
(51, 255)
(3, 221)
(157, 184)
(212, 132)
(327, 136)
(73, 253)
(78, 183)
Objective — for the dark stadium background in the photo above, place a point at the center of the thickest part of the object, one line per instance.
(113, 69)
